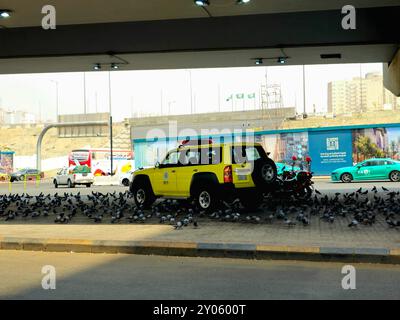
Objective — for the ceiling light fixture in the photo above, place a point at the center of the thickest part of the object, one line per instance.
(5, 13)
(202, 3)
(114, 66)
(243, 1)
(282, 60)
(259, 61)
(97, 66)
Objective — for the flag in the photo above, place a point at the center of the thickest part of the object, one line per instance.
(230, 98)
(240, 96)
(251, 96)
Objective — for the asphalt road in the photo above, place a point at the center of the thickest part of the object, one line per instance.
(325, 186)
(101, 276)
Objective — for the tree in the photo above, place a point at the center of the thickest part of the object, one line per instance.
(367, 148)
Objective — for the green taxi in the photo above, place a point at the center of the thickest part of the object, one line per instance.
(371, 169)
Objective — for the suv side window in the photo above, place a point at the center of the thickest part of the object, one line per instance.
(200, 156)
(189, 157)
(243, 154)
(211, 155)
(171, 160)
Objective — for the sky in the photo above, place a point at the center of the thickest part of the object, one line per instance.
(155, 92)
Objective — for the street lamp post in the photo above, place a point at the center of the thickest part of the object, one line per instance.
(169, 106)
(191, 91)
(110, 124)
(84, 94)
(56, 83)
(304, 91)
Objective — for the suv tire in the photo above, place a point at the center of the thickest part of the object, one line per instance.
(264, 172)
(142, 194)
(206, 197)
(55, 184)
(251, 200)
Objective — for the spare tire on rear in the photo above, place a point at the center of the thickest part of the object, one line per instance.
(264, 172)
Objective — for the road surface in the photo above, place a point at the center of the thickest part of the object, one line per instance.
(325, 186)
(101, 276)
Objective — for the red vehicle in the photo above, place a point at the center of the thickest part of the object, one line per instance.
(98, 161)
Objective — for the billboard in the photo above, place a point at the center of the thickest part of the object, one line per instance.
(330, 150)
(6, 162)
(83, 131)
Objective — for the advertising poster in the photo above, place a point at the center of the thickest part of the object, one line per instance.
(284, 146)
(6, 162)
(394, 143)
(371, 143)
(330, 150)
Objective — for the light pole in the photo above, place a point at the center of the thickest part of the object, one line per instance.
(169, 106)
(110, 123)
(56, 83)
(84, 93)
(304, 91)
(191, 91)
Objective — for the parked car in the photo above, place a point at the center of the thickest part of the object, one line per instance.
(207, 173)
(72, 178)
(125, 179)
(371, 169)
(25, 174)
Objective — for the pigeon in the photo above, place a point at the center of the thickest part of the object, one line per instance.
(353, 223)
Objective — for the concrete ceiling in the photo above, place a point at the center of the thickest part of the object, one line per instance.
(201, 59)
(28, 12)
(152, 34)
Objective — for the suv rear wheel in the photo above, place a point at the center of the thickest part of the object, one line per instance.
(55, 184)
(142, 194)
(206, 197)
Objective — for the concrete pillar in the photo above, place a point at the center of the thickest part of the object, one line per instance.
(391, 74)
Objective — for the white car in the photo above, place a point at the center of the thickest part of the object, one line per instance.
(125, 179)
(65, 177)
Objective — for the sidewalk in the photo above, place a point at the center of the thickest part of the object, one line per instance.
(319, 241)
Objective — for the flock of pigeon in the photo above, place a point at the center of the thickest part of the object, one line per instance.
(360, 207)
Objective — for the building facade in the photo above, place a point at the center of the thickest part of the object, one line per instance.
(16, 117)
(360, 95)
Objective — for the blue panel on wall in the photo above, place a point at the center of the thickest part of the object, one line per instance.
(330, 150)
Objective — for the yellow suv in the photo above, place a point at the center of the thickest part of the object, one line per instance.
(207, 173)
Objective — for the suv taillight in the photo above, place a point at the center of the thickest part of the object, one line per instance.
(228, 174)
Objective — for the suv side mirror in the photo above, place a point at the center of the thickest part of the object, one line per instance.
(157, 165)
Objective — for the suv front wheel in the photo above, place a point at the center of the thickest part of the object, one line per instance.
(142, 194)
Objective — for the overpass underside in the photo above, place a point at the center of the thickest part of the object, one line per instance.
(313, 37)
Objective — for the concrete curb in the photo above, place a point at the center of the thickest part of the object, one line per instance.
(193, 249)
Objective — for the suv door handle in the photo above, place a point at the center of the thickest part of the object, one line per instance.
(173, 171)
(195, 170)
